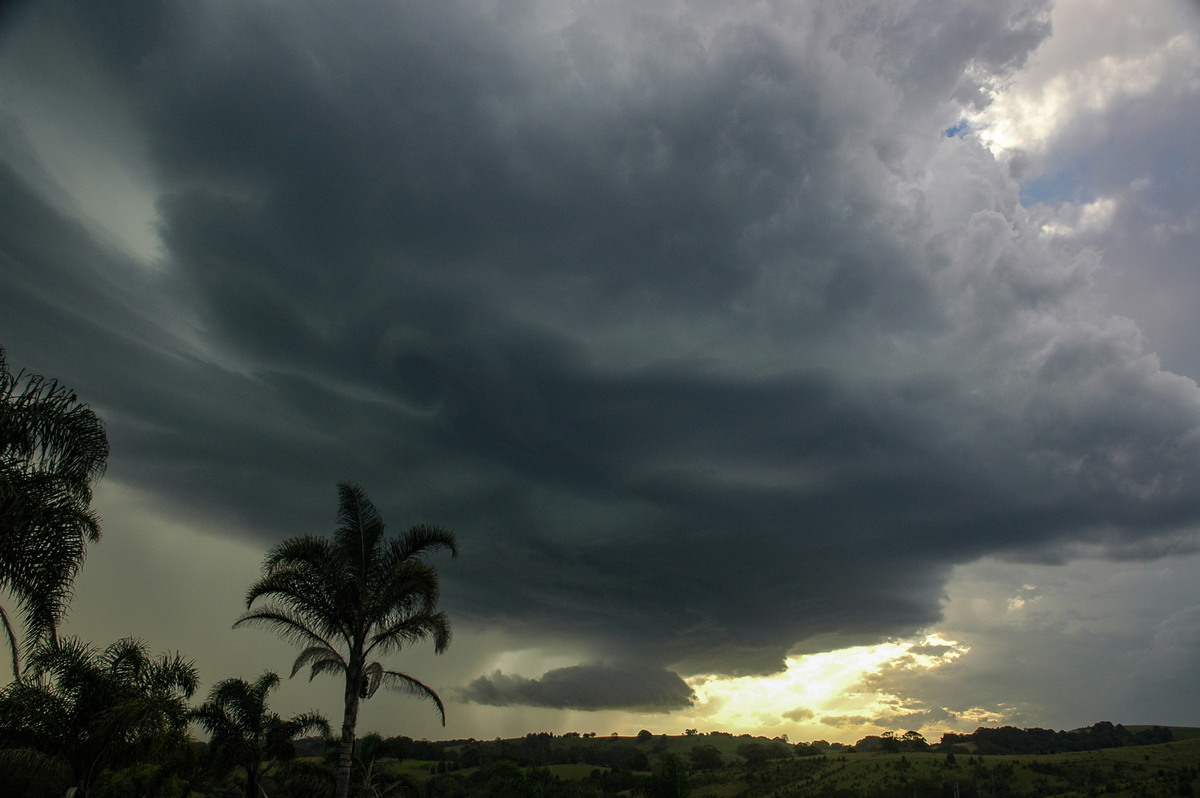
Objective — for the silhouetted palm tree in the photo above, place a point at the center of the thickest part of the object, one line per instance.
(352, 597)
(52, 448)
(245, 734)
(86, 710)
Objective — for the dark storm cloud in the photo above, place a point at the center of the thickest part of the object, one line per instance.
(697, 329)
(586, 687)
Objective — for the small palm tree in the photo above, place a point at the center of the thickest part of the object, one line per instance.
(52, 449)
(245, 734)
(86, 710)
(352, 597)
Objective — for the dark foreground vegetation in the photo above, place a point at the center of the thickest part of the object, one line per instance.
(79, 721)
(697, 765)
(1105, 759)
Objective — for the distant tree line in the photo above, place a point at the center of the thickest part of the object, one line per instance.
(892, 743)
(533, 750)
(1011, 740)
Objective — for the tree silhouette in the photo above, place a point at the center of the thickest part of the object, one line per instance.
(245, 734)
(670, 779)
(351, 597)
(86, 710)
(706, 757)
(52, 449)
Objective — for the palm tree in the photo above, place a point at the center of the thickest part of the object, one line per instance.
(52, 448)
(352, 597)
(86, 710)
(245, 734)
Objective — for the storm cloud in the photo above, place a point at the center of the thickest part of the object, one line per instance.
(693, 322)
(587, 687)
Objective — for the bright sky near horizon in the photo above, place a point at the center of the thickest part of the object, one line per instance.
(782, 368)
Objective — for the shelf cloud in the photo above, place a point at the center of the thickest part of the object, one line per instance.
(691, 320)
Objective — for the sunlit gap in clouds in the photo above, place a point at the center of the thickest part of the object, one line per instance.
(1070, 77)
(818, 694)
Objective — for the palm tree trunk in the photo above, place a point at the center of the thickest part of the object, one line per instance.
(349, 721)
(251, 790)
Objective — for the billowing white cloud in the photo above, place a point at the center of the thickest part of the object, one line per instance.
(1102, 56)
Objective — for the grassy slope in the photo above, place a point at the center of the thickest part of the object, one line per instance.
(1155, 770)
(1136, 771)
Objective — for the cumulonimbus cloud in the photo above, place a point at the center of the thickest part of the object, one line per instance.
(691, 321)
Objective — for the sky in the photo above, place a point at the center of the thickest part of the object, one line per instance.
(782, 367)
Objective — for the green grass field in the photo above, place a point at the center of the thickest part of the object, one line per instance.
(1167, 769)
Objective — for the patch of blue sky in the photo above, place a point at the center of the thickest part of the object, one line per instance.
(959, 129)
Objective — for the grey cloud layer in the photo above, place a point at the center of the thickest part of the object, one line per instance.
(586, 687)
(1121, 635)
(695, 326)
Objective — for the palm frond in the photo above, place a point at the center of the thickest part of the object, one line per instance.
(69, 659)
(321, 658)
(303, 574)
(359, 530)
(172, 672)
(372, 678)
(45, 422)
(238, 703)
(43, 535)
(32, 764)
(52, 448)
(406, 586)
(264, 684)
(306, 549)
(422, 539)
(302, 724)
(214, 719)
(10, 635)
(321, 667)
(290, 625)
(402, 681)
(408, 629)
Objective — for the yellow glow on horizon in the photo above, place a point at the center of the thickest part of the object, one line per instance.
(817, 695)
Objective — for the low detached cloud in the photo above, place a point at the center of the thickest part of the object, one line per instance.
(585, 687)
